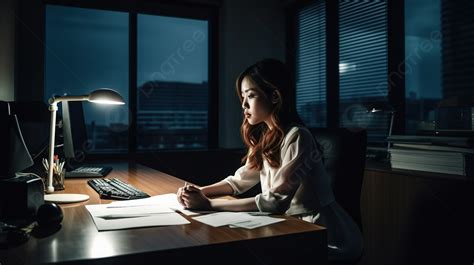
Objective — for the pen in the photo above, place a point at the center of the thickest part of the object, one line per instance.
(61, 166)
(122, 216)
(259, 213)
(45, 164)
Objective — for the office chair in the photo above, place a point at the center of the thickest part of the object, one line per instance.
(344, 159)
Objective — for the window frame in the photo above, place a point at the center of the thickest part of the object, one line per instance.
(205, 10)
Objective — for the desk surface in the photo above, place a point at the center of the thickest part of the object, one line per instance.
(78, 239)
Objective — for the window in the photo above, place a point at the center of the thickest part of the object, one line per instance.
(172, 109)
(311, 65)
(428, 64)
(362, 74)
(87, 49)
(165, 71)
(438, 79)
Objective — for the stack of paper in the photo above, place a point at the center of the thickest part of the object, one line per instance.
(430, 160)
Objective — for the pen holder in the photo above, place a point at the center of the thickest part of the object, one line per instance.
(58, 179)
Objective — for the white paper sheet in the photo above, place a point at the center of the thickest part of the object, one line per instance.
(104, 210)
(222, 218)
(257, 221)
(237, 219)
(167, 200)
(106, 218)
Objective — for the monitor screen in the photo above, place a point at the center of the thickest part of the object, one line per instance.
(74, 133)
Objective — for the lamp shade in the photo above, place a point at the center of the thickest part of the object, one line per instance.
(106, 96)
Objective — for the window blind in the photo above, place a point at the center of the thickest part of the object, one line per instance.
(363, 66)
(311, 64)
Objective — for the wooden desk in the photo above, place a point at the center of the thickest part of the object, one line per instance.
(78, 240)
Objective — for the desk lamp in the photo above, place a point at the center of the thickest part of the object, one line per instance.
(385, 109)
(100, 96)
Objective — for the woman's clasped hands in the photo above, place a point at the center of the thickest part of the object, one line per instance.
(192, 197)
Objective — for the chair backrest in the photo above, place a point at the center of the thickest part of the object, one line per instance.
(344, 159)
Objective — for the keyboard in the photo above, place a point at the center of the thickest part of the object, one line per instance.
(113, 188)
(88, 172)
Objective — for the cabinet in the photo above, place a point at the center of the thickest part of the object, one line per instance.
(412, 217)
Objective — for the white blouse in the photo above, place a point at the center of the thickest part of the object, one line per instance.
(300, 186)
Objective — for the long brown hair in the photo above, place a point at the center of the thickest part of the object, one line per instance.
(272, 79)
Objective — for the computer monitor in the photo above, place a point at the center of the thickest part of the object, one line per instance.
(74, 133)
(76, 144)
(15, 141)
(34, 119)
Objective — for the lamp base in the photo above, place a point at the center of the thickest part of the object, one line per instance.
(66, 197)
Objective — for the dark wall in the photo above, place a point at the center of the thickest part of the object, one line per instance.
(29, 49)
(249, 31)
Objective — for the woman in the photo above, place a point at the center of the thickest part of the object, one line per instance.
(283, 156)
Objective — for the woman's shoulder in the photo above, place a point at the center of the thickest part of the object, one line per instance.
(298, 131)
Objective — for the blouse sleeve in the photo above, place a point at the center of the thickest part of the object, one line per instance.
(298, 158)
(243, 179)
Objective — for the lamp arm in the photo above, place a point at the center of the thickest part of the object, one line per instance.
(55, 100)
(53, 107)
(392, 115)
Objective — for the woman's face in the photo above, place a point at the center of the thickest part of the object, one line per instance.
(257, 108)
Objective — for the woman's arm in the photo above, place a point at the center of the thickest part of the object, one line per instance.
(244, 205)
(220, 188)
(194, 198)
